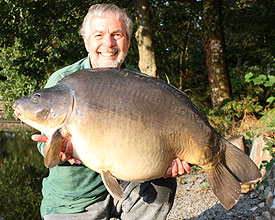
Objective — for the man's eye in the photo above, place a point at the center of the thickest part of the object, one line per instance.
(98, 36)
(117, 36)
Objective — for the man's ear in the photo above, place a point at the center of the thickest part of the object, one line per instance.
(86, 43)
(129, 43)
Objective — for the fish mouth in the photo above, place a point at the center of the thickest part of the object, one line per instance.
(17, 111)
(18, 114)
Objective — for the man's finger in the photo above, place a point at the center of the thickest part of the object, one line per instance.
(63, 146)
(168, 172)
(186, 166)
(181, 169)
(74, 160)
(39, 138)
(174, 168)
(69, 149)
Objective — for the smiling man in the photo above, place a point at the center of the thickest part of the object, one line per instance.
(107, 42)
(75, 191)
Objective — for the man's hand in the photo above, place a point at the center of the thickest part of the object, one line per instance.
(66, 148)
(178, 168)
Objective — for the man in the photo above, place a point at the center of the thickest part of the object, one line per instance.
(76, 192)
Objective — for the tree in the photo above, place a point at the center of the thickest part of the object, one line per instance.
(37, 38)
(147, 61)
(214, 45)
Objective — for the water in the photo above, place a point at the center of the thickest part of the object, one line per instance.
(21, 174)
(15, 142)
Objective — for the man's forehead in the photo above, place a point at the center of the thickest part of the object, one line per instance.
(103, 22)
(106, 14)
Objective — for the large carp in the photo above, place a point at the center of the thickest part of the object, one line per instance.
(129, 126)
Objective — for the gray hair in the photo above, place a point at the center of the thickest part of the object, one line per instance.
(98, 10)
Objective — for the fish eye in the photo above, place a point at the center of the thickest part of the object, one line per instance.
(35, 98)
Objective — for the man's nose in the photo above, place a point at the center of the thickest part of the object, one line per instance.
(108, 41)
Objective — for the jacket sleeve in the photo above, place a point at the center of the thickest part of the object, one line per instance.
(40, 146)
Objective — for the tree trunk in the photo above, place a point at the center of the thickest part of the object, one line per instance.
(214, 46)
(144, 36)
(181, 69)
(184, 56)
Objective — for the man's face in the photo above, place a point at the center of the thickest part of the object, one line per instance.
(107, 43)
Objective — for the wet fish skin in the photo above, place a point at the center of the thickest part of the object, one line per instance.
(129, 126)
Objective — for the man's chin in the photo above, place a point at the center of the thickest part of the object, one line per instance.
(115, 64)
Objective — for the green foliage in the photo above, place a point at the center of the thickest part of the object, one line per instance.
(267, 165)
(205, 187)
(268, 119)
(177, 33)
(266, 82)
(21, 173)
(19, 81)
(196, 169)
(269, 148)
(233, 111)
(253, 95)
(37, 38)
(40, 37)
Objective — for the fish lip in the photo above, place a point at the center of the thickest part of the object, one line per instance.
(17, 112)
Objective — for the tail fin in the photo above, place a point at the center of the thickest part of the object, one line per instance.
(226, 176)
(224, 185)
(240, 164)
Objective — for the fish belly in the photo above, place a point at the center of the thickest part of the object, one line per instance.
(135, 131)
(129, 149)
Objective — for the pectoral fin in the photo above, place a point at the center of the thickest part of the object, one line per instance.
(53, 154)
(112, 185)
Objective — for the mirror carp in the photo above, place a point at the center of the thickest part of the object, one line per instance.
(129, 126)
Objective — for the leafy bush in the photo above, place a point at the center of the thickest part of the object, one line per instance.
(229, 116)
(254, 94)
(37, 38)
(20, 75)
(267, 82)
(269, 148)
(267, 165)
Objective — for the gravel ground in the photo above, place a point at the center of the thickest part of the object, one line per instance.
(194, 200)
